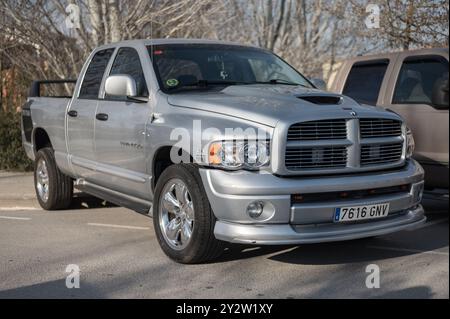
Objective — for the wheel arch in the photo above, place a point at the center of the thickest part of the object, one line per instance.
(162, 160)
(40, 139)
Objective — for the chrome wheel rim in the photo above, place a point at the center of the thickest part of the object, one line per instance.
(176, 214)
(42, 180)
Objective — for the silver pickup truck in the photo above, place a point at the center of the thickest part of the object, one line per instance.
(221, 142)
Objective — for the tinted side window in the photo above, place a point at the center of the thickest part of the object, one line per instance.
(364, 81)
(127, 62)
(417, 78)
(94, 74)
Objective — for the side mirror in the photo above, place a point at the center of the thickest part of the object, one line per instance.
(439, 97)
(121, 85)
(319, 83)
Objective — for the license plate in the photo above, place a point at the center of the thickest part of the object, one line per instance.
(345, 214)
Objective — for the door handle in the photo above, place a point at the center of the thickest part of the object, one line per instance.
(102, 117)
(72, 113)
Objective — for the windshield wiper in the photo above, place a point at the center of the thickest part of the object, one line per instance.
(279, 81)
(219, 82)
(205, 84)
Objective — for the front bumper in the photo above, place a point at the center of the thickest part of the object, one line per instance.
(308, 234)
(283, 222)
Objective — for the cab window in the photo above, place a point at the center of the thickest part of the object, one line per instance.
(94, 74)
(127, 62)
(364, 81)
(417, 78)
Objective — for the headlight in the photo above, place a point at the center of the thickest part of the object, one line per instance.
(239, 154)
(410, 144)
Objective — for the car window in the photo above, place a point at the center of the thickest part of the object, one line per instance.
(265, 70)
(184, 65)
(94, 74)
(173, 68)
(127, 62)
(417, 78)
(364, 81)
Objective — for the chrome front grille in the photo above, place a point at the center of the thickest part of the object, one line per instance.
(376, 154)
(344, 146)
(318, 130)
(316, 157)
(379, 128)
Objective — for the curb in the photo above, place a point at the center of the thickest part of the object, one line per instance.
(17, 189)
(5, 204)
(7, 174)
(18, 197)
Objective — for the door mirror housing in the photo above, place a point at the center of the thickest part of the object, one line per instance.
(439, 97)
(121, 85)
(319, 83)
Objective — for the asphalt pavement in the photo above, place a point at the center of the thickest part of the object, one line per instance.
(118, 256)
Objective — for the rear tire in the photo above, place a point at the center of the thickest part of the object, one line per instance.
(54, 190)
(182, 217)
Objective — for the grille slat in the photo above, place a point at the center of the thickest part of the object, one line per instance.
(385, 158)
(318, 130)
(316, 157)
(381, 154)
(385, 151)
(379, 128)
(381, 162)
(307, 151)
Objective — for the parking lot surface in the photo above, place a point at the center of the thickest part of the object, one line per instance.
(118, 257)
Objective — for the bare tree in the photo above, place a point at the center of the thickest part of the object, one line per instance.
(406, 24)
(309, 34)
(57, 51)
(412, 24)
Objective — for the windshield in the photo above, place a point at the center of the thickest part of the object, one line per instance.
(202, 66)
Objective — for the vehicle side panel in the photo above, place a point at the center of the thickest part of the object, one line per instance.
(48, 114)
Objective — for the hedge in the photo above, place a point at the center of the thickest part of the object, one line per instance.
(12, 154)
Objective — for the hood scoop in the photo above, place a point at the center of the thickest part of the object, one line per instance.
(322, 99)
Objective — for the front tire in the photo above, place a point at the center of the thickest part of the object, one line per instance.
(54, 190)
(182, 217)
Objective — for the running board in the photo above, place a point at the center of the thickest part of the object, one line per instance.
(138, 205)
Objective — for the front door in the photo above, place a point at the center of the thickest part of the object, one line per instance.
(411, 97)
(120, 133)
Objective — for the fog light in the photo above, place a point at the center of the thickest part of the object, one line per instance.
(420, 193)
(417, 192)
(255, 209)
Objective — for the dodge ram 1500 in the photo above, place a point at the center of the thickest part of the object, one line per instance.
(221, 142)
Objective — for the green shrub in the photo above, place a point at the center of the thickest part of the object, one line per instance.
(12, 154)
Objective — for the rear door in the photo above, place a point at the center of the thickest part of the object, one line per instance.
(120, 132)
(409, 93)
(81, 115)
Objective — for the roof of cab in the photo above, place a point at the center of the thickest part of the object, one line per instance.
(171, 41)
(376, 56)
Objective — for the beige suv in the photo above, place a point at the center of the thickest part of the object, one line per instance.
(413, 84)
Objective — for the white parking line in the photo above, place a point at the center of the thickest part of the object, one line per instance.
(408, 250)
(15, 218)
(118, 226)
